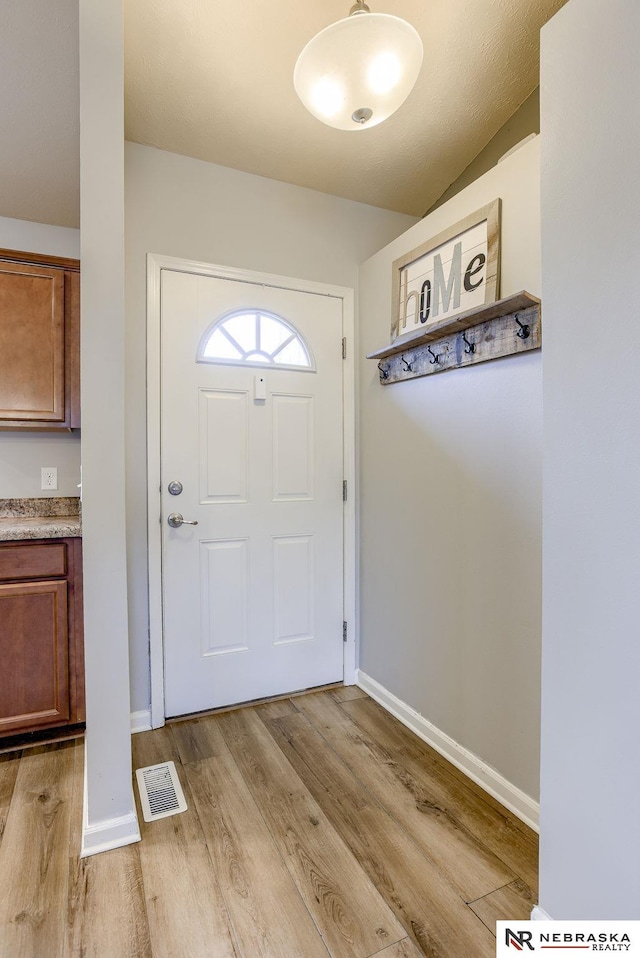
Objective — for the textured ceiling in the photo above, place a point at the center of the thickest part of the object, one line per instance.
(212, 79)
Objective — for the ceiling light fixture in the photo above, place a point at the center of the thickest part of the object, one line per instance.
(357, 72)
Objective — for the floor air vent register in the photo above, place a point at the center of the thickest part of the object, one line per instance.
(160, 791)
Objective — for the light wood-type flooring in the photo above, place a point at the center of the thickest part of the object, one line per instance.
(317, 826)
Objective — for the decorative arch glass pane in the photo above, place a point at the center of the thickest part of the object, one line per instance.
(219, 347)
(243, 329)
(254, 338)
(293, 354)
(272, 334)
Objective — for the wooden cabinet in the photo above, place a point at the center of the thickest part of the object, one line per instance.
(41, 649)
(39, 342)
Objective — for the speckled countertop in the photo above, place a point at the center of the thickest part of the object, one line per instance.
(53, 518)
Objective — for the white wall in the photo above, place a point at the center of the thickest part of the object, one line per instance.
(187, 208)
(590, 826)
(451, 508)
(23, 453)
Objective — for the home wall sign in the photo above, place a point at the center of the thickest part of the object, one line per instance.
(453, 273)
(446, 311)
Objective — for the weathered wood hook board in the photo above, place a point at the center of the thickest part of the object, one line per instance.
(505, 328)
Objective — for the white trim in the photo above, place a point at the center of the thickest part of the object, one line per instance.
(155, 264)
(472, 765)
(539, 914)
(141, 721)
(110, 833)
(154, 531)
(349, 465)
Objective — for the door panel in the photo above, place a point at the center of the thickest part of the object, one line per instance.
(253, 594)
(293, 447)
(224, 596)
(293, 588)
(32, 385)
(224, 463)
(34, 688)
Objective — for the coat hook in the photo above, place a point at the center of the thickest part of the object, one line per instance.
(384, 371)
(525, 331)
(436, 359)
(407, 366)
(469, 347)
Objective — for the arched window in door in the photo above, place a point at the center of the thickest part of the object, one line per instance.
(255, 337)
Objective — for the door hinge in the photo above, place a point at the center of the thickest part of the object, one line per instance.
(344, 490)
(344, 347)
(344, 631)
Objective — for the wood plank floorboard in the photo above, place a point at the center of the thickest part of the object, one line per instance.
(413, 801)
(9, 765)
(347, 693)
(35, 874)
(271, 710)
(77, 795)
(108, 918)
(185, 907)
(474, 809)
(514, 901)
(268, 916)
(351, 916)
(429, 907)
(317, 827)
(402, 949)
(75, 842)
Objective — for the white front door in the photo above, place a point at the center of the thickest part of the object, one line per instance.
(251, 382)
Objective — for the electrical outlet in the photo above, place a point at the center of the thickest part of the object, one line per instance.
(49, 477)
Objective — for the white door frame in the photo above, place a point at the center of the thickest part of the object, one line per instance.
(155, 264)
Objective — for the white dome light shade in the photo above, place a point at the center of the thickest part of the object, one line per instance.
(358, 71)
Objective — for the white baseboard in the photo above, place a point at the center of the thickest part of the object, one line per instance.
(472, 765)
(539, 914)
(141, 721)
(109, 833)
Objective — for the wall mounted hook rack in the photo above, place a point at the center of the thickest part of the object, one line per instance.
(444, 345)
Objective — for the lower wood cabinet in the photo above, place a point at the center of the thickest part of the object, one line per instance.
(41, 644)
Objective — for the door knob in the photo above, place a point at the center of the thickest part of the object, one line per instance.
(175, 520)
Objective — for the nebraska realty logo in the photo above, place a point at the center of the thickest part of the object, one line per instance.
(560, 937)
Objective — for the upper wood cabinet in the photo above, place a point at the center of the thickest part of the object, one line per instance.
(39, 341)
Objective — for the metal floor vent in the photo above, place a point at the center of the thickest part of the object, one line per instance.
(161, 794)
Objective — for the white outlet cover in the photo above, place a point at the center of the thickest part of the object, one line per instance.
(49, 477)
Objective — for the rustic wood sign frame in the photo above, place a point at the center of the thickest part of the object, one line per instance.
(461, 274)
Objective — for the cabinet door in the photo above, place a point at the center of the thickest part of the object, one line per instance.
(34, 644)
(32, 343)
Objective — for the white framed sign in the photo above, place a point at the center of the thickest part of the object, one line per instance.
(453, 273)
